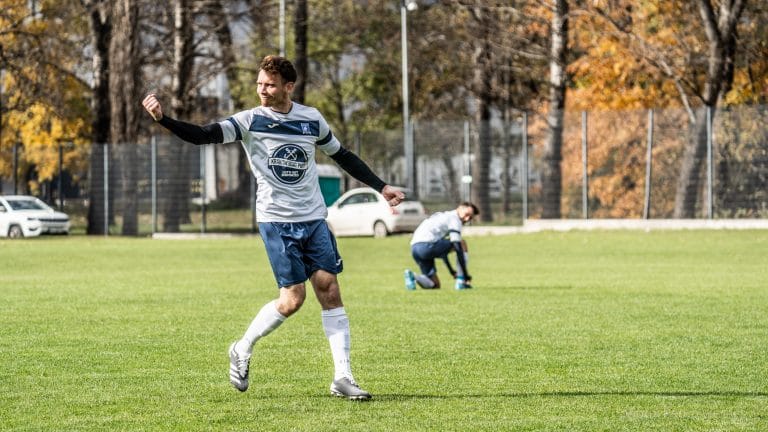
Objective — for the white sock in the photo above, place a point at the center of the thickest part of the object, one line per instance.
(336, 326)
(425, 281)
(266, 320)
(458, 266)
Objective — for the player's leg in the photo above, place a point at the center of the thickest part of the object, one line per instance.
(422, 255)
(335, 321)
(268, 319)
(272, 315)
(285, 258)
(323, 263)
(425, 254)
(336, 327)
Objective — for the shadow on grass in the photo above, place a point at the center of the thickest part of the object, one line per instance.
(566, 394)
(538, 287)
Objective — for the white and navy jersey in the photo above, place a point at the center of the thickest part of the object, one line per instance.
(437, 226)
(281, 151)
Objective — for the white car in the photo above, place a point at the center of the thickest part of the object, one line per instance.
(27, 216)
(365, 212)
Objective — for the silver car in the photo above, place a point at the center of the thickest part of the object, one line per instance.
(27, 216)
(365, 212)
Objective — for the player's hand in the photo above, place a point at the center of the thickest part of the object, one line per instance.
(152, 105)
(392, 195)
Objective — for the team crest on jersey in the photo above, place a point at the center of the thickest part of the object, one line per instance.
(289, 163)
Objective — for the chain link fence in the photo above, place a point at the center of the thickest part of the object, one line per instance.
(614, 165)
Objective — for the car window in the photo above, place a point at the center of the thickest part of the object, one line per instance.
(354, 199)
(360, 198)
(25, 205)
(2, 208)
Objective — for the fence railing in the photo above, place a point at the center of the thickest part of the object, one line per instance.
(614, 165)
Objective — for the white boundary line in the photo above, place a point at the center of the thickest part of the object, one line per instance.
(538, 225)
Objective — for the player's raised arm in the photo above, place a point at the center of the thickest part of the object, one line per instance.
(192, 133)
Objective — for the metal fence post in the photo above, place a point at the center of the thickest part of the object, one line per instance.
(524, 167)
(61, 171)
(585, 174)
(202, 189)
(710, 204)
(16, 168)
(466, 178)
(106, 189)
(648, 162)
(153, 185)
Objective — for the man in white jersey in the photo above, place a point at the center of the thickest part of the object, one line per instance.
(436, 237)
(280, 138)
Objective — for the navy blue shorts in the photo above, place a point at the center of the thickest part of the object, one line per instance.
(298, 249)
(425, 253)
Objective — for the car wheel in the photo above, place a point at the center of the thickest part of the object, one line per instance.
(15, 232)
(380, 229)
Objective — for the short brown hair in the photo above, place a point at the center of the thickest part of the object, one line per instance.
(279, 65)
(475, 210)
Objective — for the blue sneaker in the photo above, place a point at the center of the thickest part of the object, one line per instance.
(410, 280)
(462, 284)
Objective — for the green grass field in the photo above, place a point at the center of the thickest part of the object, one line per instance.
(581, 331)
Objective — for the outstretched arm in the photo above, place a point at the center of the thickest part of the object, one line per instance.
(360, 171)
(192, 133)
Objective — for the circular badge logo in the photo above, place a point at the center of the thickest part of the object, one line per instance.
(288, 163)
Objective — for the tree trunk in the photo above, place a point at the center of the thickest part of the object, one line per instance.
(176, 210)
(123, 79)
(689, 182)
(101, 33)
(483, 86)
(552, 171)
(224, 37)
(300, 60)
(721, 34)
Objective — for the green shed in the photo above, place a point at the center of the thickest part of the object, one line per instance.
(330, 182)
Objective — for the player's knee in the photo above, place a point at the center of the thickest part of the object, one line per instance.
(289, 306)
(291, 299)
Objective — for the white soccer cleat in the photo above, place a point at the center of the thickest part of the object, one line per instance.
(238, 369)
(348, 388)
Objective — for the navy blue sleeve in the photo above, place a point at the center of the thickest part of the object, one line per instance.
(460, 257)
(357, 168)
(192, 133)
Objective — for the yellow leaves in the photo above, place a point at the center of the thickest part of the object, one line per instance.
(610, 75)
(44, 105)
(40, 132)
(749, 86)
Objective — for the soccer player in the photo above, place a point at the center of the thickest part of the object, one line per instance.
(436, 237)
(280, 138)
